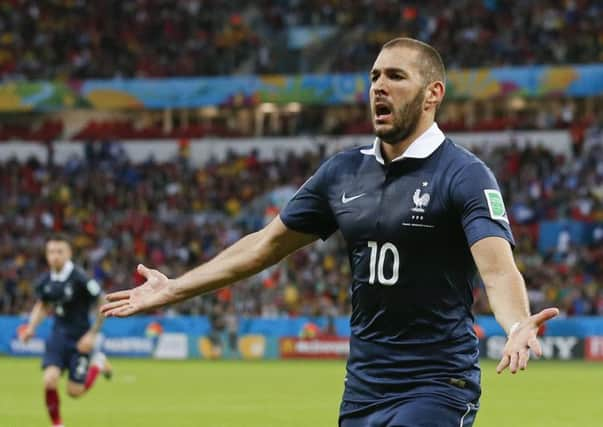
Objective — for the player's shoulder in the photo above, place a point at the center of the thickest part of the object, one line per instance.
(42, 279)
(460, 159)
(459, 154)
(79, 274)
(84, 279)
(346, 159)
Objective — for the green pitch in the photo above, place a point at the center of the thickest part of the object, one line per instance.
(150, 393)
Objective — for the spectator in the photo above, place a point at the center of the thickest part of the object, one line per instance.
(50, 40)
(117, 213)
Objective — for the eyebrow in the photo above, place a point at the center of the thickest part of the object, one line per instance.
(389, 70)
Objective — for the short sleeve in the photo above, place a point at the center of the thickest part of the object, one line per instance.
(309, 211)
(39, 288)
(93, 288)
(477, 197)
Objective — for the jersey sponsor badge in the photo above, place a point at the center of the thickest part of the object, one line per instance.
(496, 205)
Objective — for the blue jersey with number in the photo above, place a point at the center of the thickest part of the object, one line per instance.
(409, 226)
(72, 294)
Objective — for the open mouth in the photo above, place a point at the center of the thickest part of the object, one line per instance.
(382, 112)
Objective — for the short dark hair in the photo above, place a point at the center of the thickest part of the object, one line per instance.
(58, 237)
(432, 66)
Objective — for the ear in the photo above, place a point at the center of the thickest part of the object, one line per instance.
(434, 95)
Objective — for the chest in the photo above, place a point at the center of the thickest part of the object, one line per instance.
(401, 206)
(60, 291)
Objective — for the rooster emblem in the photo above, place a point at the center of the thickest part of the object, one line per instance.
(420, 200)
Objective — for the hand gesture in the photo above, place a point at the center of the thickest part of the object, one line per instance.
(522, 339)
(151, 294)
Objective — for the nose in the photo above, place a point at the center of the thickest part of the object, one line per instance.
(378, 87)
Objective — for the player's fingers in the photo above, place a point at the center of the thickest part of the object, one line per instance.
(544, 315)
(524, 356)
(144, 270)
(110, 313)
(124, 311)
(114, 304)
(114, 311)
(119, 295)
(535, 346)
(502, 365)
(106, 308)
(513, 362)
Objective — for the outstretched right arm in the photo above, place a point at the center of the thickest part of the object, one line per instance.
(38, 313)
(250, 255)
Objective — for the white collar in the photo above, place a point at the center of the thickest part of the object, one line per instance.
(62, 275)
(422, 147)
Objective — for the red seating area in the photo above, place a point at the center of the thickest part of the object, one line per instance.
(47, 131)
(122, 129)
(485, 125)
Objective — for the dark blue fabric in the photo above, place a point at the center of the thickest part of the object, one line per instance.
(71, 300)
(427, 410)
(61, 351)
(408, 226)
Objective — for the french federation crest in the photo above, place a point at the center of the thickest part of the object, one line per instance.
(420, 200)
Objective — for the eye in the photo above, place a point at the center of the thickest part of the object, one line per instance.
(397, 77)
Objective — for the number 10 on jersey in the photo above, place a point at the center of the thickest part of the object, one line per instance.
(377, 261)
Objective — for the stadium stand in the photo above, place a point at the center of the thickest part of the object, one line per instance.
(175, 38)
(175, 216)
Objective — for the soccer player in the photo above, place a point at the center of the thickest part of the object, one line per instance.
(421, 217)
(70, 293)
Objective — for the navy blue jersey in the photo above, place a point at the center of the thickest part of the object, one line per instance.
(408, 227)
(72, 294)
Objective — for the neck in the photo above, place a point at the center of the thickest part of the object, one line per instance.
(392, 151)
(60, 268)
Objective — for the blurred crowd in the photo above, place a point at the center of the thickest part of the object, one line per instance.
(74, 39)
(477, 33)
(541, 187)
(167, 214)
(173, 216)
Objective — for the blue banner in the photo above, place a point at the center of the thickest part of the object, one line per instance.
(183, 337)
(308, 89)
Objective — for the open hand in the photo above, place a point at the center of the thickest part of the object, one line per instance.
(151, 294)
(523, 339)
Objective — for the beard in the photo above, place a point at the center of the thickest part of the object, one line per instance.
(406, 119)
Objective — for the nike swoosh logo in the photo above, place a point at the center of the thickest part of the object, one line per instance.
(345, 199)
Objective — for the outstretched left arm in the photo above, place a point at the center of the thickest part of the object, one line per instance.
(509, 302)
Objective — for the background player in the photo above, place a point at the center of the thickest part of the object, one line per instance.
(418, 214)
(67, 291)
